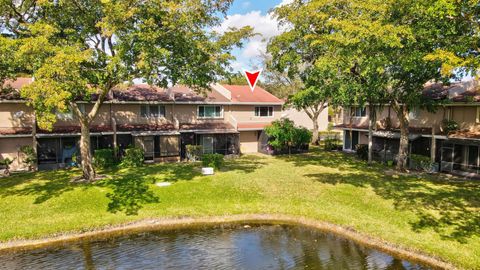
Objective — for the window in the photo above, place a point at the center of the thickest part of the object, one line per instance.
(414, 113)
(81, 107)
(359, 111)
(68, 115)
(18, 115)
(264, 111)
(152, 111)
(478, 115)
(210, 111)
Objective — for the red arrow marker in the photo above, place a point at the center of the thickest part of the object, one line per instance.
(252, 78)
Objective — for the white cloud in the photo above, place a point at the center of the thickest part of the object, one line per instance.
(285, 2)
(264, 25)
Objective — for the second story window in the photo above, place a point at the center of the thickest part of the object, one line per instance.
(414, 113)
(266, 111)
(210, 111)
(359, 111)
(65, 116)
(153, 111)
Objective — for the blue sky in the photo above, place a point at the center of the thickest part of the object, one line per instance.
(253, 13)
(244, 6)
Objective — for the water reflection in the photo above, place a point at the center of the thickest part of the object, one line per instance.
(259, 247)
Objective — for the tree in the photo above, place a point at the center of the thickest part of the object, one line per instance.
(381, 49)
(362, 34)
(80, 50)
(284, 135)
(295, 54)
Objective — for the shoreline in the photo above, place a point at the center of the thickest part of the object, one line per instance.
(191, 222)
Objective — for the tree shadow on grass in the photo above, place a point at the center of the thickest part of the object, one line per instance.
(245, 164)
(129, 193)
(450, 207)
(131, 187)
(42, 185)
(339, 160)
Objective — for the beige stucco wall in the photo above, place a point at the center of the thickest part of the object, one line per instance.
(362, 137)
(10, 148)
(246, 113)
(187, 113)
(124, 114)
(248, 142)
(130, 114)
(465, 116)
(301, 118)
(9, 119)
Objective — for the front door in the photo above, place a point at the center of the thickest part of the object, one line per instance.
(447, 158)
(350, 140)
(148, 145)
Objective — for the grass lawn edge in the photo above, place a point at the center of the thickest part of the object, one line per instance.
(190, 222)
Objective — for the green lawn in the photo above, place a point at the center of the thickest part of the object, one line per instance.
(433, 214)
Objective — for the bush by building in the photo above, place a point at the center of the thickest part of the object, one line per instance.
(212, 160)
(133, 157)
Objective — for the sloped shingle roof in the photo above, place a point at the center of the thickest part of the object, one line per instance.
(242, 93)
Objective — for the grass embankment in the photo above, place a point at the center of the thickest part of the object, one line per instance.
(429, 213)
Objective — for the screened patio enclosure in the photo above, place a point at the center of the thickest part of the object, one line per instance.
(225, 144)
(460, 156)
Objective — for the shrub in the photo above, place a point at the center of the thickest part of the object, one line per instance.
(212, 160)
(301, 137)
(419, 162)
(331, 142)
(30, 157)
(133, 157)
(449, 125)
(283, 135)
(6, 163)
(103, 158)
(362, 151)
(193, 152)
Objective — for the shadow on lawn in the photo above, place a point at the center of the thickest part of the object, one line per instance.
(247, 164)
(132, 189)
(449, 206)
(42, 185)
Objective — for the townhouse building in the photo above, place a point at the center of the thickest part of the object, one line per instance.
(227, 119)
(455, 151)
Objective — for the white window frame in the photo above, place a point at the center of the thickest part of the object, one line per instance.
(65, 116)
(148, 115)
(353, 110)
(477, 119)
(209, 117)
(414, 114)
(268, 116)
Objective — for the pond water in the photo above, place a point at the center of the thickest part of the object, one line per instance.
(227, 247)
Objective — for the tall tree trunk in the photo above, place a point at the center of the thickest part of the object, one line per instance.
(315, 137)
(87, 167)
(371, 124)
(313, 113)
(403, 149)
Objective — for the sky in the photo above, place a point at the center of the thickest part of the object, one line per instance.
(256, 14)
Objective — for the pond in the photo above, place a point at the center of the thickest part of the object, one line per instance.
(221, 247)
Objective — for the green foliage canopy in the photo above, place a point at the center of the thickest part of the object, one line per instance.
(79, 50)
